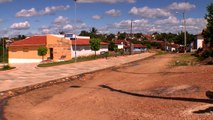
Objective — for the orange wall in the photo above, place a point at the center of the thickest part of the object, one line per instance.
(29, 52)
(61, 47)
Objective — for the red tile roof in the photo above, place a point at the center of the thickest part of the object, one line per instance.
(85, 42)
(31, 41)
(138, 46)
(121, 41)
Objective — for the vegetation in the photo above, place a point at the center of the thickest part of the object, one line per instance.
(209, 30)
(6, 67)
(3, 46)
(95, 44)
(176, 38)
(206, 54)
(80, 59)
(19, 37)
(185, 60)
(111, 46)
(42, 51)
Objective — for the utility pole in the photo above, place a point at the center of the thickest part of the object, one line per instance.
(3, 51)
(75, 32)
(184, 31)
(131, 38)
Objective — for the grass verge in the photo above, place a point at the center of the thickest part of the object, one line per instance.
(79, 59)
(6, 67)
(187, 59)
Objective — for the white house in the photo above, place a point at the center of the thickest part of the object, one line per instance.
(198, 43)
(82, 47)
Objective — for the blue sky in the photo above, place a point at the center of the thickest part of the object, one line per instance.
(32, 17)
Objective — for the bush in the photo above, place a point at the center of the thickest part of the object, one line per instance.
(148, 46)
(207, 54)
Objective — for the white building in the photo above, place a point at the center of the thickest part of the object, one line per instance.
(83, 47)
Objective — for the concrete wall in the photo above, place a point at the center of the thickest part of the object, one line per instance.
(86, 51)
(23, 54)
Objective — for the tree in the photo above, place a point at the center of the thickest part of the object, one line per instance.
(19, 37)
(61, 32)
(95, 44)
(122, 36)
(110, 37)
(111, 46)
(209, 30)
(84, 33)
(42, 51)
(94, 30)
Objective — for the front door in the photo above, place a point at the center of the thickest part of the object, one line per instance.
(51, 53)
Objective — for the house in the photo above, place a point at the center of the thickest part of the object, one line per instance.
(198, 42)
(126, 45)
(25, 51)
(139, 48)
(82, 47)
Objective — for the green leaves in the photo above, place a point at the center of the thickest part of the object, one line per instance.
(208, 32)
(42, 51)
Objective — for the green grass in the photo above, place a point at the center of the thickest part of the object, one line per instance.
(6, 67)
(185, 60)
(79, 59)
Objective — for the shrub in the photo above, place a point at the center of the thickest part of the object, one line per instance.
(207, 54)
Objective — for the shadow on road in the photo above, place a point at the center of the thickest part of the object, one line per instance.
(207, 110)
(158, 97)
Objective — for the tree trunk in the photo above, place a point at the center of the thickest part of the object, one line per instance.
(42, 58)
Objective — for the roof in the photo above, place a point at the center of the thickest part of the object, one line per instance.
(85, 42)
(121, 41)
(139, 46)
(31, 41)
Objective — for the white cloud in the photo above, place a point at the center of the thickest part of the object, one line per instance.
(60, 20)
(149, 12)
(106, 1)
(196, 22)
(171, 20)
(20, 25)
(181, 6)
(68, 27)
(47, 10)
(4, 1)
(170, 24)
(96, 17)
(52, 9)
(126, 24)
(113, 12)
(27, 13)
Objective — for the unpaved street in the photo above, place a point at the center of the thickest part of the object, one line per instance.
(144, 90)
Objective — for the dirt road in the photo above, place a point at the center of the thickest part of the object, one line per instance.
(143, 90)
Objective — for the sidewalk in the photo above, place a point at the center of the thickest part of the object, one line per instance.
(29, 74)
